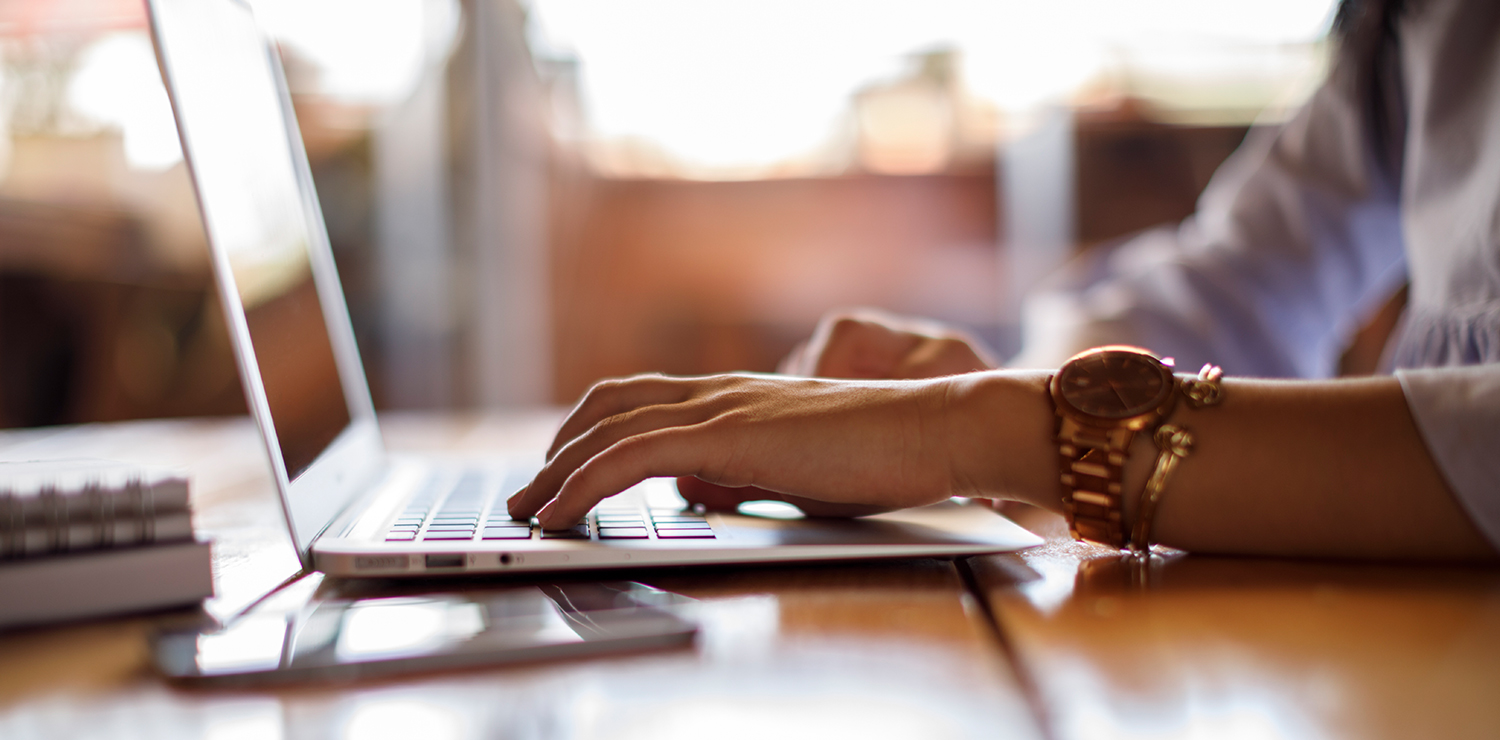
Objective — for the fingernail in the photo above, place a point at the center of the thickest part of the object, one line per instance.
(517, 494)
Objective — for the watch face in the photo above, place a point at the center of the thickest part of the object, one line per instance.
(1114, 384)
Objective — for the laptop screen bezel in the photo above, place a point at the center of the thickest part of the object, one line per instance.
(348, 465)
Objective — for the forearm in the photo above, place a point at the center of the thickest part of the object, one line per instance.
(1315, 468)
(1294, 468)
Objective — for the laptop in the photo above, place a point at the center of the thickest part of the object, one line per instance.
(352, 508)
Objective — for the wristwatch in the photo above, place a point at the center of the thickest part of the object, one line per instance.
(1103, 397)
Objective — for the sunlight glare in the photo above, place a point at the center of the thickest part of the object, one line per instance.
(725, 85)
(117, 84)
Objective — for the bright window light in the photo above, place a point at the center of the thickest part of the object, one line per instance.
(735, 86)
(364, 51)
(117, 84)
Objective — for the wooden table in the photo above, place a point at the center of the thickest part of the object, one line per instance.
(1065, 641)
(890, 649)
(1247, 647)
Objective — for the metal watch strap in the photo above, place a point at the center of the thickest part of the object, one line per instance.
(1092, 462)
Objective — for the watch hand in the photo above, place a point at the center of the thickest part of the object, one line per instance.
(1116, 390)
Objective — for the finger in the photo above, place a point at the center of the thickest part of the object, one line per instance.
(842, 510)
(664, 452)
(856, 348)
(939, 356)
(794, 360)
(715, 497)
(614, 397)
(526, 502)
(809, 354)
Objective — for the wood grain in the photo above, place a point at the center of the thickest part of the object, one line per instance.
(1241, 647)
(882, 649)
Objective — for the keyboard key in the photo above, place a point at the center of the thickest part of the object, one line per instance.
(578, 532)
(622, 522)
(400, 536)
(507, 533)
(682, 525)
(677, 519)
(413, 527)
(448, 536)
(623, 533)
(684, 534)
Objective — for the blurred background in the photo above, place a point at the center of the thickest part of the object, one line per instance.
(525, 196)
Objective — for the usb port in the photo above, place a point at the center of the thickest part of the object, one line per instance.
(455, 560)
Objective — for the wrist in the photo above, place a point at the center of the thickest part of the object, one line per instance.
(999, 432)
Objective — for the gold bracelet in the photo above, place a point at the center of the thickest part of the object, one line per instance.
(1206, 389)
(1175, 443)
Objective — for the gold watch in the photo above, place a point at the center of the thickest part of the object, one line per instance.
(1103, 397)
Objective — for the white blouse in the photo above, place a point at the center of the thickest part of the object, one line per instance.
(1308, 229)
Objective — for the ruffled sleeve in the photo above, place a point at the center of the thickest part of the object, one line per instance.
(1296, 241)
(1457, 410)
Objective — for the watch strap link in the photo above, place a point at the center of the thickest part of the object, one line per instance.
(1092, 463)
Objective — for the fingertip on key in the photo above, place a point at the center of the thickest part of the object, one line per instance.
(544, 517)
(514, 500)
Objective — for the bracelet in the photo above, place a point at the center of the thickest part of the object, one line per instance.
(1175, 443)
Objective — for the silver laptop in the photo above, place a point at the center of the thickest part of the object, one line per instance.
(352, 508)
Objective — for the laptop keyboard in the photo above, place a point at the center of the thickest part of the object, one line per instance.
(464, 510)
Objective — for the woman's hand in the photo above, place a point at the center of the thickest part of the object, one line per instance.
(877, 445)
(714, 497)
(864, 344)
(875, 345)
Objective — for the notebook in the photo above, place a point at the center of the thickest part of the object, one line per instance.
(353, 509)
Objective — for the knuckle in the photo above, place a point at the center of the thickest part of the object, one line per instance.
(607, 427)
(732, 401)
(598, 395)
(846, 326)
(952, 346)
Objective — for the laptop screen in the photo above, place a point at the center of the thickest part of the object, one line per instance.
(257, 214)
